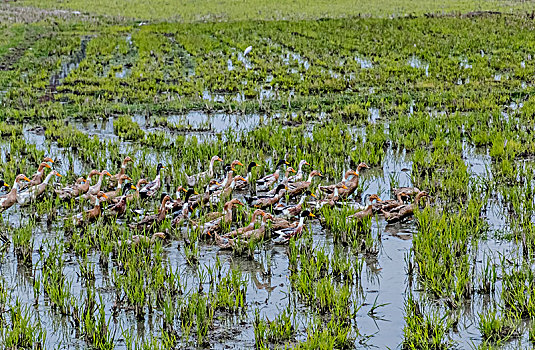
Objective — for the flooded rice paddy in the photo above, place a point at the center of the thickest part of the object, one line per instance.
(458, 274)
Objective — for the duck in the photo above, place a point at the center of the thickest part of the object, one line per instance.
(151, 188)
(229, 170)
(242, 185)
(409, 191)
(37, 178)
(364, 213)
(369, 199)
(225, 193)
(404, 211)
(390, 204)
(256, 214)
(90, 215)
(278, 223)
(117, 192)
(262, 202)
(114, 179)
(215, 225)
(177, 204)
(141, 239)
(296, 188)
(119, 208)
(203, 198)
(353, 183)
(34, 192)
(195, 178)
(149, 222)
(330, 188)
(184, 214)
(299, 175)
(227, 211)
(3, 185)
(72, 191)
(7, 200)
(48, 160)
(81, 186)
(293, 210)
(226, 242)
(95, 189)
(265, 182)
(284, 182)
(331, 199)
(283, 236)
(133, 196)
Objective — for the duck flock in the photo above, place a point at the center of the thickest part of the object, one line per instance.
(280, 202)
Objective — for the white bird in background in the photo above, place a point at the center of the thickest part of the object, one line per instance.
(247, 50)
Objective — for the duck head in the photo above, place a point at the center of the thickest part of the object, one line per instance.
(251, 166)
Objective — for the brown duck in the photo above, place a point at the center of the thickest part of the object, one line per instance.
(330, 188)
(7, 200)
(353, 183)
(149, 222)
(91, 214)
(296, 188)
(404, 211)
(114, 179)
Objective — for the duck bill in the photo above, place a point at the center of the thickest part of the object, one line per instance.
(59, 175)
(26, 179)
(133, 187)
(312, 215)
(6, 185)
(313, 195)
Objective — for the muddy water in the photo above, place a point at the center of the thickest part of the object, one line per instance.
(384, 278)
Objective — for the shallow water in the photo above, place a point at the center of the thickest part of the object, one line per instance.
(384, 279)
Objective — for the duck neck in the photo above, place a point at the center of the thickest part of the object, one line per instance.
(211, 168)
(47, 178)
(302, 200)
(97, 202)
(14, 189)
(335, 192)
(228, 179)
(310, 177)
(99, 182)
(227, 213)
(233, 184)
(301, 222)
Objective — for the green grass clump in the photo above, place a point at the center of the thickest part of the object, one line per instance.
(126, 129)
(495, 327)
(424, 329)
